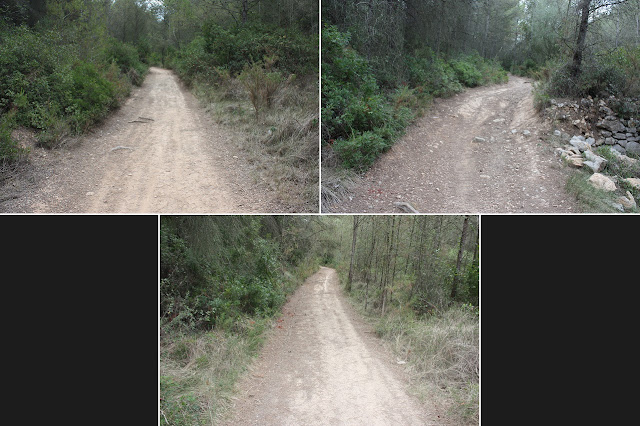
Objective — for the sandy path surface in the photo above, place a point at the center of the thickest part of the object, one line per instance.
(323, 366)
(438, 167)
(158, 153)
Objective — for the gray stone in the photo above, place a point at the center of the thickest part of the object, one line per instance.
(600, 181)
(591, 141)
(627, 202)
(556, 133)
(624, 158)
(606, 110)
(579, 143)
(596, 163)
(609, 141)
(615, 205)
(526, 133)
(633, 147)
(606, 133)
(622, 143)
(619, 149)
(619, 136)
(479, 139)
(613, 126)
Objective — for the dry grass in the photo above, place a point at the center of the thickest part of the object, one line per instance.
(442, 352)
(281, 143)
(198, 372)
(337, 182)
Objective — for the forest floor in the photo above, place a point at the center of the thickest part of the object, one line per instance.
(439, 166)
(322, 364)
(159, 152)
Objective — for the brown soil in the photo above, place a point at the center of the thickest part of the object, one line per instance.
(323, 366)
(158, 153)
(437, 167)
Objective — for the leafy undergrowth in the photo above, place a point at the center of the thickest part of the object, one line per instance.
(223, 280)
(361, 120)
(48, 85)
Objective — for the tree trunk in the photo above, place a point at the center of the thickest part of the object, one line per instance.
(353, 249)
(406, 263)
(456, 277)
(582, 36)
(387, 264)
(245, 11)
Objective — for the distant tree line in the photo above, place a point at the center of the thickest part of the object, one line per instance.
(424, 262)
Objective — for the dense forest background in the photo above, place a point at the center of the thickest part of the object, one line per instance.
(383, 60)
(65, 64)
(223, 280)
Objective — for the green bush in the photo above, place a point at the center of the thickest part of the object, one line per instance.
(351, 99)
(10, 150)
(52, 89)
(128, 60)
(93, 96)
(432, 74)
(234, 274)
(234, 49)
(360, 151)
(616, 73)
(466, 72)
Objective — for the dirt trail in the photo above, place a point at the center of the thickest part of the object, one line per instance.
(438, 167)
(158, 153)
(323, 366)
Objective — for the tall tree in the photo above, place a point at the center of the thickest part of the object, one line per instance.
(356, 223)
(456, 277)
(582, 36)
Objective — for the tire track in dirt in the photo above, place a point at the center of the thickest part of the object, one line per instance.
(438, 167)
(322, 366)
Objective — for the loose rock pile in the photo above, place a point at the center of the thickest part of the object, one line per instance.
(598, 125)
(599, 122)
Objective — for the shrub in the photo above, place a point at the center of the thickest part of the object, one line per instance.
(432, 74)
(127, 58)
(241, 46)
(349, 89)
(466, 72)
(51, 89)
(360, 151)
(263, 83)
(10, 150)
(616, 73)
